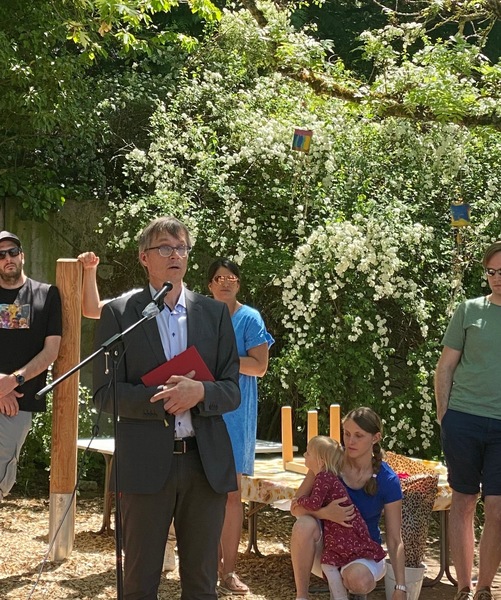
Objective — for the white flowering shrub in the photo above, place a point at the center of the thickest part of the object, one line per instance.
(347, 251)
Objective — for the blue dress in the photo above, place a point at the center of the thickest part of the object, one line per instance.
(250, 331)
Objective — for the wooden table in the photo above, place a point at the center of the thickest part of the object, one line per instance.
(272, 486)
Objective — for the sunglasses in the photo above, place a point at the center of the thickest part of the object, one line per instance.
(220, 279)
(11, 252)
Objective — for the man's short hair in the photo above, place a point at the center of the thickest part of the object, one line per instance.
(169, 225)
(491, 250)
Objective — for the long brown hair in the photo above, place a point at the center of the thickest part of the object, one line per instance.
(370, 422)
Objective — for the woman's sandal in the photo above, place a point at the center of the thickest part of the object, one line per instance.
(231, 583)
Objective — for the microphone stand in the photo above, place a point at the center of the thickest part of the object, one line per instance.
(151, 311)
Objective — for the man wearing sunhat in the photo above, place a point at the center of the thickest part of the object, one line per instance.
(30, 334)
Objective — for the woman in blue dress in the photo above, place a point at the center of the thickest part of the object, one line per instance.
(253, 343)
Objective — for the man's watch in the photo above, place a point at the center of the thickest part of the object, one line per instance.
(402, 588)
(19, 378)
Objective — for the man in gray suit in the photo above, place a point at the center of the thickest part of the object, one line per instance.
(174, 454)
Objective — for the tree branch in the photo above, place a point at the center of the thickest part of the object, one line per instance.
(258, 14)
(386, 105)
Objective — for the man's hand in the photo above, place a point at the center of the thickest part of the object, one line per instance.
(7, 384)
(180, 393)
(9, 405)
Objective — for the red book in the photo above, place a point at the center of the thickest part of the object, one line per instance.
(189, 360)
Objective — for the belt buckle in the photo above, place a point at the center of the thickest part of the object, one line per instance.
(183, 451)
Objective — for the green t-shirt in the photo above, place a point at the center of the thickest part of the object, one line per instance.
(475, 330)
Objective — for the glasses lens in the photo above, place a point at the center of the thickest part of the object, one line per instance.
(492, 272)
(11, 252)
(166, 251)
(220, 279)
(182, 250)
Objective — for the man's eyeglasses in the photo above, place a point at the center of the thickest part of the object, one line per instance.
(11, 252)
(167, 251)
(220, 279)
(492, 272)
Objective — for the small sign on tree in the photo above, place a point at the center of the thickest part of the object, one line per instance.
(302, 139)
(460, 214)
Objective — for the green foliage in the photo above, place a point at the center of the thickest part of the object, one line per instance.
(65, 121)
(81, 79)
(36, 72)
(441, 77)
(138, 26)
(347, 251)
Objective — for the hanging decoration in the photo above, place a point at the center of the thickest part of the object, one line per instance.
(460, 219)
(460, 213)
(301, 142)
(302, 139)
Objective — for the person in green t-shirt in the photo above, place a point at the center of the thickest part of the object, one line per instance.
(468, 397)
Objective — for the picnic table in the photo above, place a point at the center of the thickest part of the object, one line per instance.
(273, 486)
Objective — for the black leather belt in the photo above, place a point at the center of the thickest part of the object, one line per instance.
(184, 445)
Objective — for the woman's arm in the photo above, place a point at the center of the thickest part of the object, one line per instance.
(91, 302)
(256, 361)
(393, 525)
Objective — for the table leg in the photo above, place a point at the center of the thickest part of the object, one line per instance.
(106, 526)
(445, 546)
(444, 552)
(252, 514)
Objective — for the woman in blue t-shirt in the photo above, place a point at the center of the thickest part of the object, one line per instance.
(372, 486)
(253, 343)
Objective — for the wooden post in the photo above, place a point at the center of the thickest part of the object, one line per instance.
(65, 414)
(335, 422)
(312, 428)
(287, 450)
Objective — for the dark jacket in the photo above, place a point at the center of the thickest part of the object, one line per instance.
(144, 444)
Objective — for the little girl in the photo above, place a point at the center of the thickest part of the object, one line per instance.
(342, 545)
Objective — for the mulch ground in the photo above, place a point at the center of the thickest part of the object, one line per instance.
(89, 571)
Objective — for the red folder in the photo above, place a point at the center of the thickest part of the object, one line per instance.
(189, 360)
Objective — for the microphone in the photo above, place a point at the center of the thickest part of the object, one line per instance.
(157, 304)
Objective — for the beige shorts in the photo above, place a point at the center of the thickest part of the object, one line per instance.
(13, 432)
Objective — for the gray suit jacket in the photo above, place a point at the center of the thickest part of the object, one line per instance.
(144, 443)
